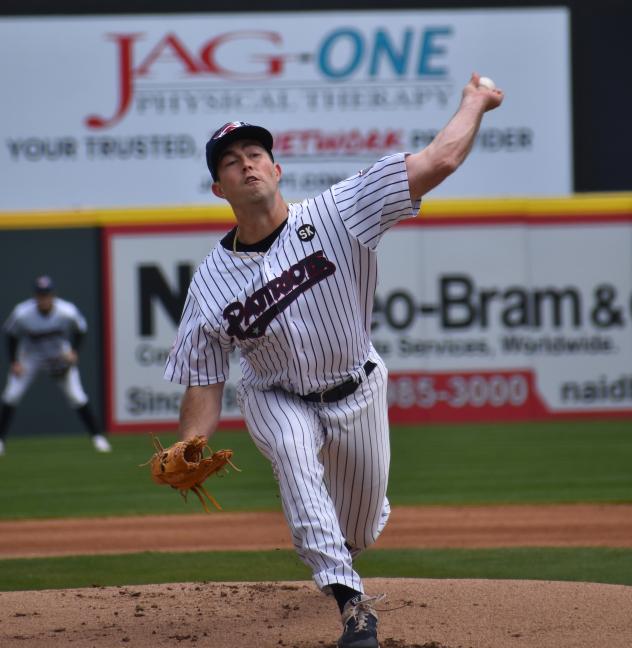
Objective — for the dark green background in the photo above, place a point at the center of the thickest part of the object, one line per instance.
(72, 257)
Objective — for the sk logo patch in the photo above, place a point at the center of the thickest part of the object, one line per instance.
(306, 233)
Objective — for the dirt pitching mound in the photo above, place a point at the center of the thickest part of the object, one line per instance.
(417, 613)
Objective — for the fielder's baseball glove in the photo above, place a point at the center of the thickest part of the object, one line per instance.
(58, 367)
(184, 467)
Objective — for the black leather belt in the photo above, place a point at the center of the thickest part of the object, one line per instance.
(337, 392)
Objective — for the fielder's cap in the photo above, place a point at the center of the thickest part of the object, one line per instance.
(43, 285)
(229, 133)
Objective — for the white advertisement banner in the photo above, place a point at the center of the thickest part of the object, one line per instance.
(114, 111)
(476, 321)
(506, 320)
(147, 273)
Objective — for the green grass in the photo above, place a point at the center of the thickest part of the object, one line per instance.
(65, 477)
(561, 564)
(553, 462)
(586, 461)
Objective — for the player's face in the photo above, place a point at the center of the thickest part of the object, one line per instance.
(246, 173)
(44, 302)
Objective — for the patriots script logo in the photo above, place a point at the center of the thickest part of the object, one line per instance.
(251, 319)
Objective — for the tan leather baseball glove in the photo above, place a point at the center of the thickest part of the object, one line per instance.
(184, 467)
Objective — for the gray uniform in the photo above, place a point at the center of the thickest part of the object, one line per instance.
(43, 339)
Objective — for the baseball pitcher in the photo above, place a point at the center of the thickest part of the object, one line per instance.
(292, 286)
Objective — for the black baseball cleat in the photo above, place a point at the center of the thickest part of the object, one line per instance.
(359, 623)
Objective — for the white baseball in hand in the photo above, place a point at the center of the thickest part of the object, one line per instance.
(486, 82)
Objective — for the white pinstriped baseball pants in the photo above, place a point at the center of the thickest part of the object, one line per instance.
(331, 461)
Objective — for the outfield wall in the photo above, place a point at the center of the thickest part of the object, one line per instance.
(485, 310)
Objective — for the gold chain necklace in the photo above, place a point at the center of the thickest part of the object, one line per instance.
(235, 240)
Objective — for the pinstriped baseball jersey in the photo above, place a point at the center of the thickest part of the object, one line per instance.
(300, 312)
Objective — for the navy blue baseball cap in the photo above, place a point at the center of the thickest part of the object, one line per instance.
(231, 132)
(43, 285)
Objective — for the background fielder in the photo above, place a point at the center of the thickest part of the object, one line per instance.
(292, 286)
(43, 336)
